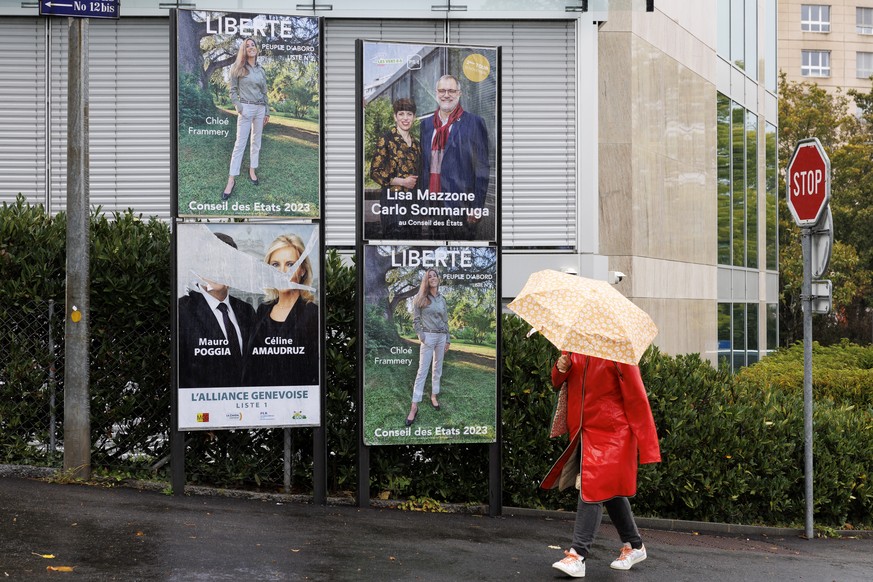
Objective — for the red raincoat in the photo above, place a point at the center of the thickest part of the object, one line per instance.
(608, 410)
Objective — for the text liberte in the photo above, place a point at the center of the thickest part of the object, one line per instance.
(433, 258)
(248, 27)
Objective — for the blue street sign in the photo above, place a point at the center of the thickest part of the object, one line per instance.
(80, 8)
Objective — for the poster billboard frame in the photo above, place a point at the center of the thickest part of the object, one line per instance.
(291, 169)
(460, 202)
(400, 351)
(178, 437)
(495, 467)
(208, 399)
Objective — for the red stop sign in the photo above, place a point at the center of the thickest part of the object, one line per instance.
(808, 182)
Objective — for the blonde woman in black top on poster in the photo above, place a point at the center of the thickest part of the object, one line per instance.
(283, 350)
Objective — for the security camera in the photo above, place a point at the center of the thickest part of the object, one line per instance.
(616, 277)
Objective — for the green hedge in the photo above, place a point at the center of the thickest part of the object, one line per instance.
(130, 335)
(842, 373)
(732, 446)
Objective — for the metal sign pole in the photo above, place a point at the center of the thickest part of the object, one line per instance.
(806, 301)
(77, 412)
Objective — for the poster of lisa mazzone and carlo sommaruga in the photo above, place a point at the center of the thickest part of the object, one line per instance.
(430, 142)
(248, 114)
(430, 344)
(248, 325)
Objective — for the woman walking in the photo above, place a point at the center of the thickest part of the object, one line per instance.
(610, 424)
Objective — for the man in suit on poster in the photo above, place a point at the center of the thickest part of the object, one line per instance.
(454, 151)
(213, 332)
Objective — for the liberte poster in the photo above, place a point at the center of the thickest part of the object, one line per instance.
(430, 135)
(430, 365)
(248, 335)
(248, 113)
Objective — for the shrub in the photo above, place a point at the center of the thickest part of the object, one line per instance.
(842, 373)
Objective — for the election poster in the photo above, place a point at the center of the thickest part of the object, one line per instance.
(430, 344)
(248, 330)
(248, 112)
(430, 125)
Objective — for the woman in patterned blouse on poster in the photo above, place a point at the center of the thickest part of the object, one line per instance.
(395, 166)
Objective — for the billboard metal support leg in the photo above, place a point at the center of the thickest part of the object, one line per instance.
(319, 464)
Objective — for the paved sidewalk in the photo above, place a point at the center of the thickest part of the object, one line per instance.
(128, 534)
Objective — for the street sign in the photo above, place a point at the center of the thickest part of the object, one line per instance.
(808, 183)
(822, 296)
(822, 243)
(79, 8)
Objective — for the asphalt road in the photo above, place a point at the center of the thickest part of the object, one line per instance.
(127, 534)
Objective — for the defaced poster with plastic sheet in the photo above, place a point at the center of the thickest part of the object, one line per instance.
(248, 325)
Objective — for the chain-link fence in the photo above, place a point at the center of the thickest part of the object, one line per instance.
(129, 407)
(31, 385)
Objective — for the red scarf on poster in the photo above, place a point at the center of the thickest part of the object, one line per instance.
(438, 147)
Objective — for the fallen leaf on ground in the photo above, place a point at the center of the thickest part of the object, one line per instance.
(59, 568)
(46, 556)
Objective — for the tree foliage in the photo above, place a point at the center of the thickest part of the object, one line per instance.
(204, 58)
(807, 110)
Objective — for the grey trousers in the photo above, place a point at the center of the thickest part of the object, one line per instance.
(589, 515)
(249, 127)
(430, 355)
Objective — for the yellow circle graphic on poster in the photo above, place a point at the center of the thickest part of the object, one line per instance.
(476, 67)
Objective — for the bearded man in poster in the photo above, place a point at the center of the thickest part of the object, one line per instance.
(454, 146)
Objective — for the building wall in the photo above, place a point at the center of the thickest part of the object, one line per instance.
(843, 41)
(657, 167)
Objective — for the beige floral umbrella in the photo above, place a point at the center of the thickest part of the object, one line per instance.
(585, 316)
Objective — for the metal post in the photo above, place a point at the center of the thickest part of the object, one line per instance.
(319, 457)
(806, 297)
(77, 412)
(287, 463)
(52, 379)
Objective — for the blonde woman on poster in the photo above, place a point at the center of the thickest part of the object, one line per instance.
(283, 350)
(431, 323)
(248, 91)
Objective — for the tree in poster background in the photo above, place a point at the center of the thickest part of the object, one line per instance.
(208, 43)
(403, 282)
(468, 396)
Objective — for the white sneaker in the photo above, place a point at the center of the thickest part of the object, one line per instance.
(572, 565)
(628, 557)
